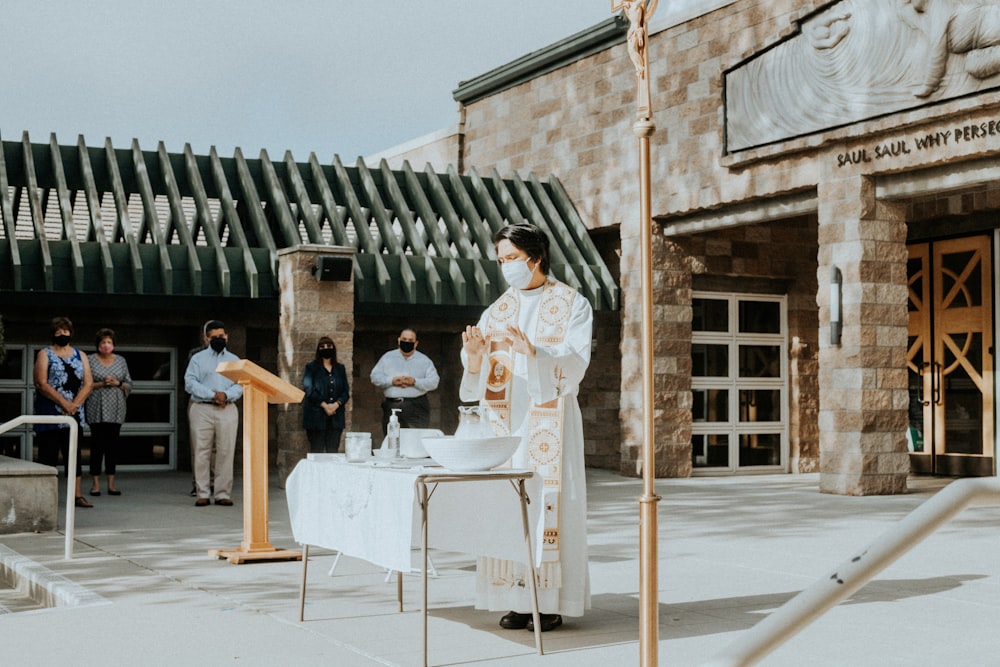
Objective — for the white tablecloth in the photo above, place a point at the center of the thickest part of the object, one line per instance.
(372, 513)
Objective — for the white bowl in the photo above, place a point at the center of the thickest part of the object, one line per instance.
(471, 454)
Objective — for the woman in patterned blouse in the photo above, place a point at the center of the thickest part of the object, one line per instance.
(106, 409)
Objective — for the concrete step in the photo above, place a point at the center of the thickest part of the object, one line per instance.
(29, 497)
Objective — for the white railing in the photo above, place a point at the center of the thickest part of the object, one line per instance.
(763, 638)
(74, 435)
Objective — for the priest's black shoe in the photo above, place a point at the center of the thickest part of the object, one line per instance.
(515, 621)
(548, 622)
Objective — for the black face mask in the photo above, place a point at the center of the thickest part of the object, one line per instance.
(218, 344)
(60, 340)
(406, 346)
(327, 353)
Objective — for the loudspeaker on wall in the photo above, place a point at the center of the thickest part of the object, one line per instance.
(333, 267)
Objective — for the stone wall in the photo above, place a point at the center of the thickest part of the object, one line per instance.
(440, 149)
(599, 395)
(309, 309)
(976, 200)
(863, 382)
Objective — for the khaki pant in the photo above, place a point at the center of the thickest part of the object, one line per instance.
(213, 426)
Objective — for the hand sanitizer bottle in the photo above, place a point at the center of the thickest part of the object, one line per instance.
(392, 434)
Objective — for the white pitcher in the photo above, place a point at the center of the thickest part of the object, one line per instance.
(475, 422)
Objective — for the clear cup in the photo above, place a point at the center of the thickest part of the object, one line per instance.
(358, 446)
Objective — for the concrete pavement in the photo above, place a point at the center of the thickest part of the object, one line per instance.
(731, 550)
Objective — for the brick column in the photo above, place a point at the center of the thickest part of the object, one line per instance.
(863, 392)
(309, 309)
(671, 355)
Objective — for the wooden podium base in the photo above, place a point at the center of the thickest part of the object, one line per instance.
(259, 389)
(236, 556)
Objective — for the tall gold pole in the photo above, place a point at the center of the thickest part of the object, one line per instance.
(638, 12)
(649, 625)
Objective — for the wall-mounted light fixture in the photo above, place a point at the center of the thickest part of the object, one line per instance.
(836, 305)
(333, 267)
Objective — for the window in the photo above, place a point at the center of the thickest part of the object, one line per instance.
(14, 383)
(739, 388)
(148, 435)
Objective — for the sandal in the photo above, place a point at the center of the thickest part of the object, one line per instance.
(83, 502)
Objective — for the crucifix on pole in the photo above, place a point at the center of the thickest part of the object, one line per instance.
(638, 13)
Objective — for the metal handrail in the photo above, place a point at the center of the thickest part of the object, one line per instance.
(74, 430)
(780, 626)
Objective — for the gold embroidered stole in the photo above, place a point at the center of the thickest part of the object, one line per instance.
(545, 421)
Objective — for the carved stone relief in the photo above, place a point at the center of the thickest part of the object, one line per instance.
(858, 59)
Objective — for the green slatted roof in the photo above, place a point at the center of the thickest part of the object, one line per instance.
(84, 219)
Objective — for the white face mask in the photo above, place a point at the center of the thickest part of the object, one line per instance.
(517, 274)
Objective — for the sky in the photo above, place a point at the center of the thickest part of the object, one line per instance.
(323, 76)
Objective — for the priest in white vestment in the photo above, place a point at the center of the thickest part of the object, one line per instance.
(525, 359)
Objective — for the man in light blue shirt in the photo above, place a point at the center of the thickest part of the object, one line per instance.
(405, 376)
(213, 417)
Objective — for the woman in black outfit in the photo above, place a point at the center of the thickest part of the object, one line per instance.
(326, 394)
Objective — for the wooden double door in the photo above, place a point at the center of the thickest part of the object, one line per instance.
(950, 357)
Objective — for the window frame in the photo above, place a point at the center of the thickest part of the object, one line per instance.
(733, 428)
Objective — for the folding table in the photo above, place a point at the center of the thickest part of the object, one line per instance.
(372, 511)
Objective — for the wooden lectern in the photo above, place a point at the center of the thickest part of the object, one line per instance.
(259, 389)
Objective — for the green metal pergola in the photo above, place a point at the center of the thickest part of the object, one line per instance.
(87, 220)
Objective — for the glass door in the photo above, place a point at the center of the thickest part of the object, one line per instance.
(950, 357)
(738, 383)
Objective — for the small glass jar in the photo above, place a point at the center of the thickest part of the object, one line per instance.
(358, 446)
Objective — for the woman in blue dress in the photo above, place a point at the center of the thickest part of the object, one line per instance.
(62, 384)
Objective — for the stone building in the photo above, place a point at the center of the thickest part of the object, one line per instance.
(812, 160)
